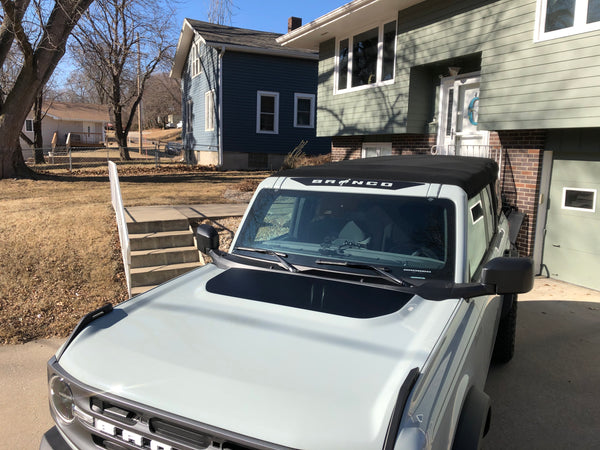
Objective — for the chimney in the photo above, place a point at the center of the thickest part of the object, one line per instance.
(293, 23)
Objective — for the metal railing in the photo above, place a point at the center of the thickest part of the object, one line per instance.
(117, 204)
(482, 151)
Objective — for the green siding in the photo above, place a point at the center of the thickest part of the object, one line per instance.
(524, 84)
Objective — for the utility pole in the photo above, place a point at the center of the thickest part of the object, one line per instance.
(139, 87)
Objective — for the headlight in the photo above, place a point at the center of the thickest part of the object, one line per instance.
(61, 398)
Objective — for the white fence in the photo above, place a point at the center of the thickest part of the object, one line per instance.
(117, 203)
(482, 151)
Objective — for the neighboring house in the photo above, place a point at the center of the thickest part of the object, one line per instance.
(247, 101)
(515, 79)
(85, 122)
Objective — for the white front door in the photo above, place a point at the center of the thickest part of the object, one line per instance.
(459, 106)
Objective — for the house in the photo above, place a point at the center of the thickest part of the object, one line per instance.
(247, 101)
(85, 122)
(518, 80)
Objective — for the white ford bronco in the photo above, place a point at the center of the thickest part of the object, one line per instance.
(359, 307)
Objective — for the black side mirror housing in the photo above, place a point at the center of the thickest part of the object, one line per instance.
(207, 238)
(508, 275)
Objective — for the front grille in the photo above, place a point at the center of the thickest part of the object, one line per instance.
(105, 421)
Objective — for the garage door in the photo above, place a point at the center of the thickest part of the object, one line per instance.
(572, 241)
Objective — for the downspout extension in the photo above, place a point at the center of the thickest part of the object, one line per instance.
(220, 127)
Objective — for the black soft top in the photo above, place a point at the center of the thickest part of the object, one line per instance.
(470, 173)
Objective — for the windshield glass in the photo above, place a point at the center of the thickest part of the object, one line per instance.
(412, 236)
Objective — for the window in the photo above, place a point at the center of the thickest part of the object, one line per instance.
(209, 111)
(579, 199)
(267, 112)
(372, 149)
(189, 116)
(367, 59)
(28, 125)
(304, 110)
(195, 61)
(559, 18)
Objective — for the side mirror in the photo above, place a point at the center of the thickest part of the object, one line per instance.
(207, 238)
(508, 275)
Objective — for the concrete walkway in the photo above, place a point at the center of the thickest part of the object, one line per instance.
(545, 398)
(164, 213)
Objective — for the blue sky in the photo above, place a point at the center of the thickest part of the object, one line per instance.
(263, 15)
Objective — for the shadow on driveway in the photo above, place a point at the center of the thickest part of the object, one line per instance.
(548, 396)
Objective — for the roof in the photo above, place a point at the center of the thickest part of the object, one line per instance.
(354, 16)
(470, 173)
(77, 112)
(228, 38)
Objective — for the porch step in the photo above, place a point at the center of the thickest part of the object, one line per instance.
(151, 276)
(163, 256)
(157, 226)
(161, 239)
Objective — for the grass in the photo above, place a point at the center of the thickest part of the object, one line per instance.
(59, 250)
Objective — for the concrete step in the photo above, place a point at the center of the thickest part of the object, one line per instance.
(150, 276)
(161, 239)
(141, 289)
(157, 226)
(164, 256)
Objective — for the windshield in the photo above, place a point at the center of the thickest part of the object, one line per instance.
(412, 236)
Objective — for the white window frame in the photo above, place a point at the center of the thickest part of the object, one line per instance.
(311, 97)
(378, 82)
(382, 148)
(572, 208)
(579, 22)
(275, 95)
(195, 60)
(29, 125)
(209, 110)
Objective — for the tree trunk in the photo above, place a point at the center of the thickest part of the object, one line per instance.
(38, 139)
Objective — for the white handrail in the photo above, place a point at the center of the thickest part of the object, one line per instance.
(117, 204)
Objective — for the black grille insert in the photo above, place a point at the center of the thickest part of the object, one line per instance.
(179, 433)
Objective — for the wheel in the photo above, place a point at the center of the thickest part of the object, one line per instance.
(504, 347)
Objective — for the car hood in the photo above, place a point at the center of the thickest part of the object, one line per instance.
(295, 377)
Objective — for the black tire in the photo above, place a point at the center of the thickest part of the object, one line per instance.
(504, 347)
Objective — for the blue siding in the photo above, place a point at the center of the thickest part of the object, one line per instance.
(195, 89)
(245, 74)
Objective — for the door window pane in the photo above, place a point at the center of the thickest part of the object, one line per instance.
(364, 58)
(559, 14)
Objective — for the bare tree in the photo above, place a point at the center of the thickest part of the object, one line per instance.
(108, 38)
(162, 97)
(37, 31)
(220, 11)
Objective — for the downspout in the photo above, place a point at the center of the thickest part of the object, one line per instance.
(220, 128)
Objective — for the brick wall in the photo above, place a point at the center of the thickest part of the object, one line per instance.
(522, 171)
(522, 165)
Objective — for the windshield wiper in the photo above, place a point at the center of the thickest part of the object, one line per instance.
(279, 256)
(383, 271)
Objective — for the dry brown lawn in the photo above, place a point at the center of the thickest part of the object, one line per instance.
(59, 250)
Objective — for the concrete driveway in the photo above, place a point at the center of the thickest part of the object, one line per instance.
(547, 397)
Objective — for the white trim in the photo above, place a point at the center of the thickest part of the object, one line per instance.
(28, 121)
(579, 22)
(195, 62)
(573, 208)
(275, 95)
(209, 110)
(300, 96)
(379, 64)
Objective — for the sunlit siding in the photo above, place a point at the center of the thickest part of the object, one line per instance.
(245, 74)
(194, 89)
(524, 84)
